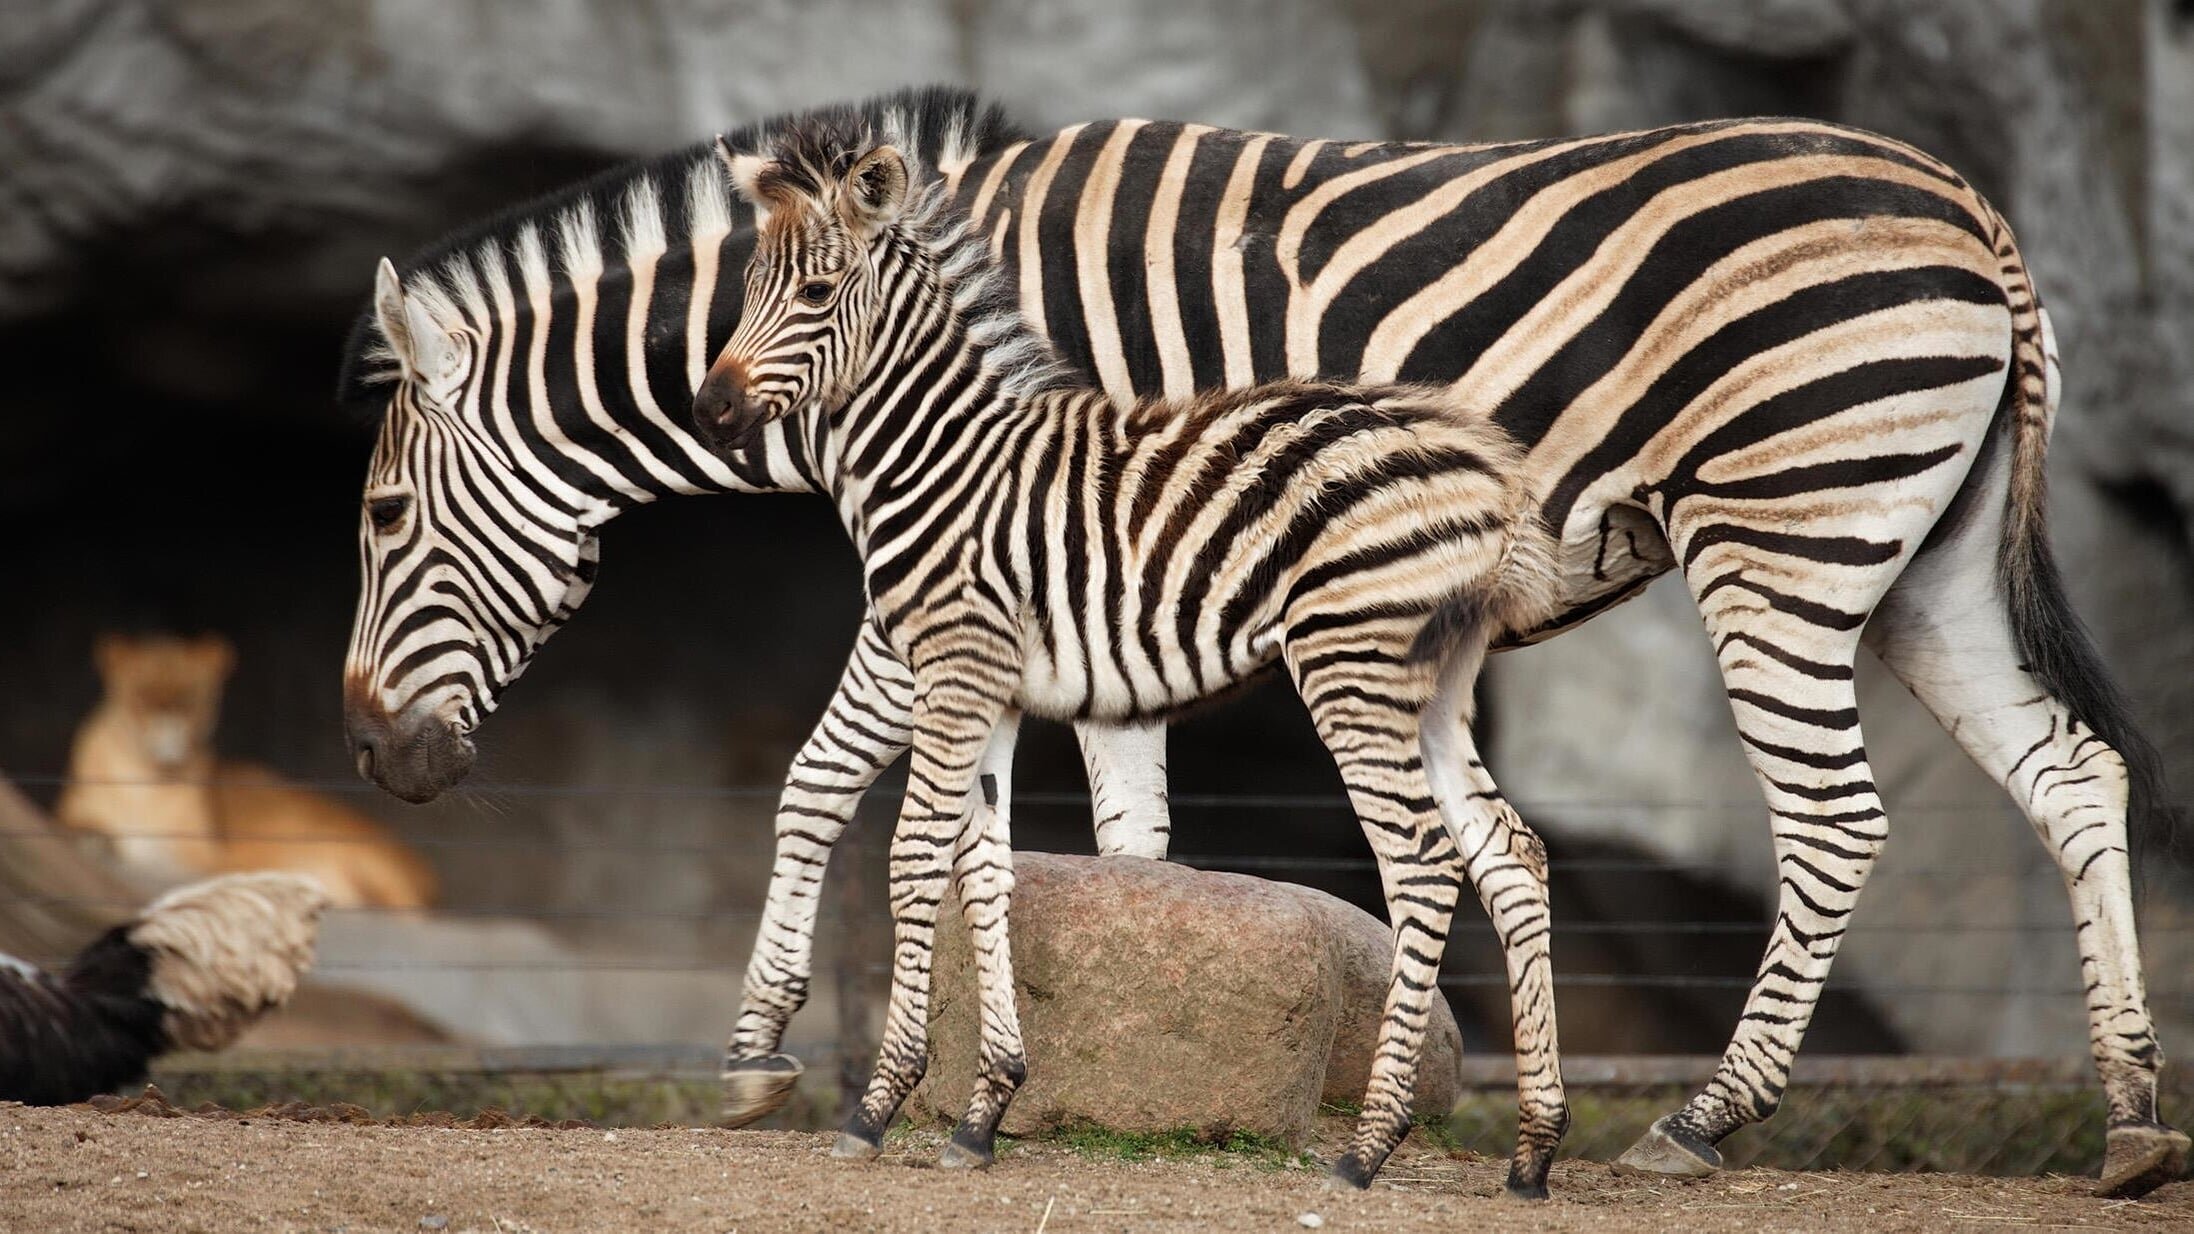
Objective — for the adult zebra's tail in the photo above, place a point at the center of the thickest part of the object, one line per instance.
(2053, 644)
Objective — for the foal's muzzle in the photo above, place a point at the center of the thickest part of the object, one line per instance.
(725, 415)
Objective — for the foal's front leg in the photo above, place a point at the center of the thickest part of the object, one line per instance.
(957, 707)
(864, 730)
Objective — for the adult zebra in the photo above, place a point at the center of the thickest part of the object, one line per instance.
(1769, 319)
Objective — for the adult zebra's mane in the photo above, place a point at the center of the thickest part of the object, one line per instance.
(646, 206)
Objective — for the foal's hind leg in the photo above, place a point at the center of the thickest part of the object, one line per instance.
(1507, 865)
(1368, 704)
(1940, 634)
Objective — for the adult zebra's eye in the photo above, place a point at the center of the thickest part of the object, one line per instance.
(386, 512)
(815, 292)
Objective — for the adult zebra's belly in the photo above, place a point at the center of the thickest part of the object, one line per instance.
(1607, 555)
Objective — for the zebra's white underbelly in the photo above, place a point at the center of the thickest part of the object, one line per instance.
(1116, 678)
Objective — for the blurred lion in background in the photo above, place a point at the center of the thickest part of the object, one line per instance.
(144, 775)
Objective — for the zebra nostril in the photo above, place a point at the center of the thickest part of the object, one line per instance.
(731, 404)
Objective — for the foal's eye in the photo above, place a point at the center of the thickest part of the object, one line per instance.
(815, 292)
(386, 512)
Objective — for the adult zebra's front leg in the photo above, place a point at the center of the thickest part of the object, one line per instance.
(1126, 765)
(949, 835)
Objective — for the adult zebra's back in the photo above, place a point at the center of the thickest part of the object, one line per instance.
(1766, 352)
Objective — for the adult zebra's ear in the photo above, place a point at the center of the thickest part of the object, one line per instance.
(421, 345)
(875, 190)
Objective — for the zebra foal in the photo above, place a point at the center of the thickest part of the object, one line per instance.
(1028, 541)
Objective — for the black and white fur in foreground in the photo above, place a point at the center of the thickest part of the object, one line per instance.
(1802, 368)
(193, 971)
(1029, 541)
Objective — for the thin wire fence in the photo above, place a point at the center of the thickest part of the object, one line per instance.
(1970, 1114)
(2013, 1117)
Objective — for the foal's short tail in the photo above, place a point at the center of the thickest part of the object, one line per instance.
(1518, 593)
(2053, 644)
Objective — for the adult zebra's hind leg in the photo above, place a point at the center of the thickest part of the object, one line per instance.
(1960, 658)
(1788, 670)
(864, 730)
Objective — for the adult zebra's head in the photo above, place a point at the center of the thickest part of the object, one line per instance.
(539, 372)
(467, 567)
(814, 284)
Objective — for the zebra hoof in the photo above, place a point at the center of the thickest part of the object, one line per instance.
(756, 1087)
(2140, 1158)
(1669, 1152)
(851, 1147)
(1518, 1189)
(1349, 1173)
(958, 1156)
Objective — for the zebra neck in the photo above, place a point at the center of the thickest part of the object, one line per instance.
(921, 435)
(934, 386)
(591, 372)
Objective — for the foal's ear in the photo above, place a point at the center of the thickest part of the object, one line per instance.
(876, 190)
(745, 171)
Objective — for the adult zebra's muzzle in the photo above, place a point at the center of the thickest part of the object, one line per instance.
(725, 415)
(414, 757)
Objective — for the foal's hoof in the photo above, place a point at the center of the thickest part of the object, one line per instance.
(1349, 1173)
(1520, 1189)
(958, 1156)
(2140, 1158)
(755, 1087)
(851, 1147)
(1670, 1153)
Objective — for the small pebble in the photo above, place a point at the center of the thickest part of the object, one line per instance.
(1309, 1221)
(434, 1221)
(609, 1137)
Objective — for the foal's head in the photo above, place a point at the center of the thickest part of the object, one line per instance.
(819, 285)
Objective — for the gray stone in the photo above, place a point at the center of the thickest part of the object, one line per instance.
(1155, 997)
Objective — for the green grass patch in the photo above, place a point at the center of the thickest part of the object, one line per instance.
(1186, 1143)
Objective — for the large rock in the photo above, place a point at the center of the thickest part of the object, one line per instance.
(1155, 997)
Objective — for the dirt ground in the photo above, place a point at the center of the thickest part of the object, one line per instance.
(81, 1169)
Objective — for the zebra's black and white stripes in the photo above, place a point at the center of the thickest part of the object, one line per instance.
(1785, 358)
(1729, 338)
(1031, 542)
(532, 376)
